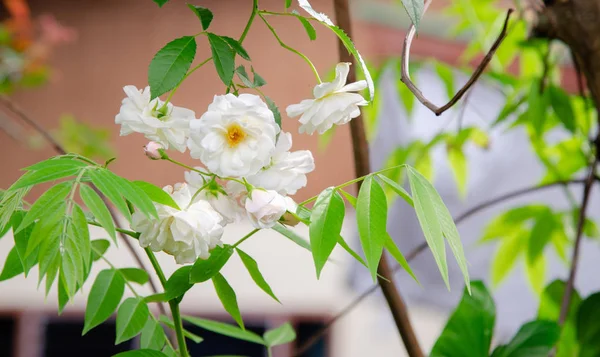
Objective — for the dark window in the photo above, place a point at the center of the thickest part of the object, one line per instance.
(304, 331)
(7, 333)
(215, 344)
(63, 339)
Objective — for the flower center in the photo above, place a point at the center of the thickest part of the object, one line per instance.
(235, 135)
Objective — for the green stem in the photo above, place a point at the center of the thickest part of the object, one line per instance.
(173, 304)
(245, 237)
(250, 21)
(351, 182)
(282, 44)
(188, 167)
(132, 234)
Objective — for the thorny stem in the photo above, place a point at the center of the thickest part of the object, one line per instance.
(282, 44)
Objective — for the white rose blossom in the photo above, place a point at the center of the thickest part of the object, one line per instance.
(167, 126)
(265, 207)
(235, 137)
(187, 234)
(287, 171)
(333, 103)
(221, 201)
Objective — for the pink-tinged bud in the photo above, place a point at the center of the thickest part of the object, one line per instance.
(152, 150)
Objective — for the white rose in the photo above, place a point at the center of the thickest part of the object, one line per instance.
(235, 137)
(218, 198)
(264, 208)
(187, 234)
(333, 103)
(287, 172)
(168, 126)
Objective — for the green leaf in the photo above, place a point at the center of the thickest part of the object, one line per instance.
(536, 112)
(80, 235)
(393, 249)
(109, 189)
(255, 273)
(550, 305)
(169, 323)
(588, 329)
(280, 335)
(223, 57)
(228, 298)
(178, 283)
(135, 275)
(95, 204)
(561, 105)
(204, 14)
(437, 223)
(153, 336)
(156, 194)
(325, 226)
(469, 330)
(58, 162)
(160, 297)
(204, 270)
(352, 49)
(63, 296)
(534, 339)
(225, 329)
(310, 30)
(135, 195)
(507, 253)
(414, 9)
(237, 47)
(160, 3)
(288, 3)
(536, 273)
(273, 107)
(291, 235)
(48, 202)
(143, 352)
(104, 297)
(458, 163)
(11, 201)
(541, 233)
(243, 75)
(45, 175)
(397, 188)
(170, 65)
(12, 265)
(99, 247)
(371, 216)
(443, 71)
(131, 318)
(22, 239)
(258, 81)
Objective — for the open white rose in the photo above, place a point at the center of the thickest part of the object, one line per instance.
(287, 172)
(218, 198)
(235, 137)
(167, 126)
(186, 234)
(264, 208)
(333, 103)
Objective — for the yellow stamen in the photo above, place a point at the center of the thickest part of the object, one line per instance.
(235, 135)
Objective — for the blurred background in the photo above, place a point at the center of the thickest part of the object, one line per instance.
(64, 63)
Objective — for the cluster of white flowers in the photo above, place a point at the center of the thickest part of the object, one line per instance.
(248, 168)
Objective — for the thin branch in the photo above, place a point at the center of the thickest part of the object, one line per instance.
(423, 246)
(405, 76)
(14, 108)
(362, 165)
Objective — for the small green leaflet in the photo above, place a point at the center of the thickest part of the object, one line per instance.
(562, 107)
(152, 336)
(160, 3)
(225, 329)
(436, 223)
(204, 14)
(204, 270)
(95, 204)
(291, 235)
(104, 297)
(508, 252)
(458, 163)
(135, 275)
(167, 321)
(271, 104)
(178, 283)
(108, 189)
(443, 71)
(12, 265)
(223, 57)
(397, 188)
(144, 352)
(237, 47)
(325, 226)
(156, 194)
(47, 174)
(371, 217)
(228, 298)
(395, 252)
(170, 65)
(549, 309)
(310, 30)
(534, 339)
(131, 318)
(99, 247)
(288, 3)
(587, 326)
(48, 202)
(280, 335)
(255, 273)
(414, 9)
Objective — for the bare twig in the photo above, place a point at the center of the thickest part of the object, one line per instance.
(423, 246)
(14, 108)
(405, 75)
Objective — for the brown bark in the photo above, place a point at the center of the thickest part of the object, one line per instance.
(362, 167)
